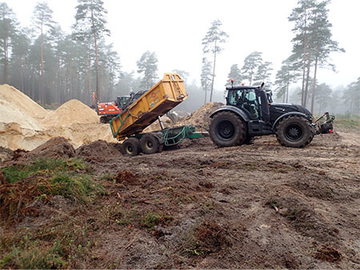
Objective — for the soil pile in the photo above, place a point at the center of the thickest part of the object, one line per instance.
(25, 125)
(57, 147)
(199, 118)
(97, 151)
(15, 100)
(71, 112)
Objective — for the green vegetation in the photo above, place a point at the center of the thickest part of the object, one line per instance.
(347, 121)
(48, 247)
(43, 179)
(51, 246)
(16, 173)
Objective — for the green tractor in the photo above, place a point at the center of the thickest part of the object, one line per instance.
(250, 112)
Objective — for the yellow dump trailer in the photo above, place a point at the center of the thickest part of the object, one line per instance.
(157, 101)
(160, 99)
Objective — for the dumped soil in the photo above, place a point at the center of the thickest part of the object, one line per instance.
(97, 151)
(25, 124)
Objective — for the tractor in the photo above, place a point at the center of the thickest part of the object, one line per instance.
(250, 112)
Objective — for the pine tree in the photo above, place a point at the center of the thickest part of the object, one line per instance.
(8, 32)
(284, 77)
(352, 97)
(91, 22)
(323, 96)
(234, 74)
(323, 44)
(206, 77)
(42, 18)
(251, 64)
(147, 65)
(312, 42)
(263, 74)
(212, 40)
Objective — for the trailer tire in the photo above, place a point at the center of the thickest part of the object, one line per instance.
(227, 129)
(294, 131)
(149, 144)
(131, 147)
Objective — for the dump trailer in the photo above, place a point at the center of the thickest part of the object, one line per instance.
(149, 107)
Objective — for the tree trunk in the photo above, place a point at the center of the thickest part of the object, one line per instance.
(213, 74)
(284, 96)
(308, 72)
(89, 75)
(205, 94)
(97, 68)
(314, 86)
(42, 92)
(304, 68)
(5, 60)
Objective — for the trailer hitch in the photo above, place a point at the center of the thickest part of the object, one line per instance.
(325, 123)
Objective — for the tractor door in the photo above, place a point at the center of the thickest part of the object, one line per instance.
(246, 99)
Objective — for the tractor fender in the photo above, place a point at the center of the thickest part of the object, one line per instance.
(233, 109)
(286, 115)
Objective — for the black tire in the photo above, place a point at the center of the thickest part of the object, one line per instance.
(227, 129)
(131, 147)
(294, 131)
(149, 144)
(249, 140)
(104, 120)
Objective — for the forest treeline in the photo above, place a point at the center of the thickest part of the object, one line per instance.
(52, 66)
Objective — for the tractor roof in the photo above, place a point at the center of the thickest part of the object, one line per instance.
(242, 87)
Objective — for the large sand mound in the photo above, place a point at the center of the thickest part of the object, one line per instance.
(71, 112)
(25, 124)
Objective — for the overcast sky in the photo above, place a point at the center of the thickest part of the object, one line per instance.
(175, 29)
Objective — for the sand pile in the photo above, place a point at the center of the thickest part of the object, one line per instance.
(71, 112)
(24, 124)
(199, 118)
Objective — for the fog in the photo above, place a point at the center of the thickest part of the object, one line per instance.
(174, 31)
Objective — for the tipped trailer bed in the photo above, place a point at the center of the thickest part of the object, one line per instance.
(160, 99)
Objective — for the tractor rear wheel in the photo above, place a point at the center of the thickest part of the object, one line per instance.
(131, 147)
(294, 131)
(227, 129)
(149, 144)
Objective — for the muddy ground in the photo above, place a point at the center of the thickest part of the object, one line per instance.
(254, 206)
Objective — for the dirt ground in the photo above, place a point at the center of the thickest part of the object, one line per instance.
(254, 206)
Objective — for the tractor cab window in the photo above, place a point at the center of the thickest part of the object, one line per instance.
(246, 100)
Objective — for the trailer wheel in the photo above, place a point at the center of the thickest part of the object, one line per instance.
(131, 147)
(294, 131)
(149, 144)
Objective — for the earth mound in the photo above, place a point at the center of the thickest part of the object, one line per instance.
(15, 100)
(97, 151)
(57, 147)
(71, 112)
(201, 117)
(24, 124)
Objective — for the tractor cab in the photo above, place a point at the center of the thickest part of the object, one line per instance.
(254, 101)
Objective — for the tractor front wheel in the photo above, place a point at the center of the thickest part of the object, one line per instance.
(294, 131)
(227, 129)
